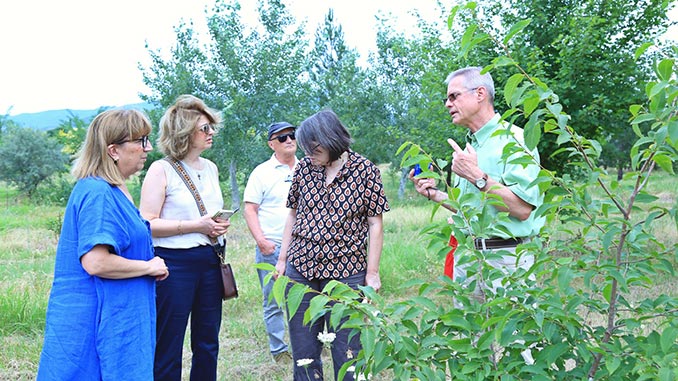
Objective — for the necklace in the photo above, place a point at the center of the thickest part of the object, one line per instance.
(193, 171)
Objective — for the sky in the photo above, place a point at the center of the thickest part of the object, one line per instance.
(83, 54)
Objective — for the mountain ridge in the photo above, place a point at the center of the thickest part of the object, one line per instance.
(50, 119)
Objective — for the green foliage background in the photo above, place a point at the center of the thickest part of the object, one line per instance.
(567, 71)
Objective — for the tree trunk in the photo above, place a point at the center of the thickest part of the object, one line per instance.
(235, 192)
(403, 182)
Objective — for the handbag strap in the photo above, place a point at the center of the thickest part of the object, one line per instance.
(178, 166)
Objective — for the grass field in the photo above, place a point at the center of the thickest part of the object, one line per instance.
(28, 238)
(27, 246)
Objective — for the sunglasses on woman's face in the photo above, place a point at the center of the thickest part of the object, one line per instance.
(283, 138)
(205, 128)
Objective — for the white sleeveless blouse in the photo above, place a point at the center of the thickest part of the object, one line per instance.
(180, 203)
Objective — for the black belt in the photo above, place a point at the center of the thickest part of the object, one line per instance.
(497, 243)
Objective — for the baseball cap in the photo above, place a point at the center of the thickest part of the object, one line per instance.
(279, 126)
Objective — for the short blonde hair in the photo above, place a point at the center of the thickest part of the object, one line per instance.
(109, 127)
(178, 124)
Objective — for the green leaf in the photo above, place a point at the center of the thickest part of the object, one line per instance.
(402, 147)
(337, 314)
(554, 108)
(664, 162)
(643, 118)
(636, 130)
(553, 352)
(294, 297)
(668, 339)
(466, 40)
(368, 339)
(612, 364)
(532, 132)
(665, 69)
(516, 28)
(564, 278)
(564, 260)
(503, 61)
(279, 288)
(530, 104)
(641, 49)
(381, 360)
(316, 308)
(453, 14)
(511, 85)
(657, 88)
(635, 109)
(264, 266)
(672, 126)
(646, 198)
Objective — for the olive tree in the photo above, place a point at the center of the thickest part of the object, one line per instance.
(29, 156)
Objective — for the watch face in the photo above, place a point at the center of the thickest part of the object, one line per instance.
(480, 183)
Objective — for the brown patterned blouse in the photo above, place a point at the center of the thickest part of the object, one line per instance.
(329, 237)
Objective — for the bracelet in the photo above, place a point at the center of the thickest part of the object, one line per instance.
(179, 228)
(428, 194)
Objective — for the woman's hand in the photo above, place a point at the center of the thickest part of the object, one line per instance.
(280, 268)
(373, 280)
(213, 227)
(158, 268)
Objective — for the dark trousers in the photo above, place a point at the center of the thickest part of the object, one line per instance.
(304, 338)
(193, 289)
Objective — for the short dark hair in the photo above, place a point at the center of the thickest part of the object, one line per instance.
(324, 128)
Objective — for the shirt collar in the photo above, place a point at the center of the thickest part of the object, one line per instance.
(485, 132)
(278, 164)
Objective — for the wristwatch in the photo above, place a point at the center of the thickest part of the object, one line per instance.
(481, 183)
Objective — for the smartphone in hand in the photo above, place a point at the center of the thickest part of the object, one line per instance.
(225, 213)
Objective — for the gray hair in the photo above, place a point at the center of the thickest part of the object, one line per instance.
(325, 129)
(473, 79)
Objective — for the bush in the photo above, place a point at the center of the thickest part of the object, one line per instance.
(55, 190)
(27, 157)
(593, 311)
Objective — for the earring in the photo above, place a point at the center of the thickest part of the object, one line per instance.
(115, 161)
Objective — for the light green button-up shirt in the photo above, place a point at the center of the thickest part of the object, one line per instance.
(516, 177)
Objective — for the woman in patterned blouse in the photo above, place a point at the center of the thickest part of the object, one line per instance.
(336, 202)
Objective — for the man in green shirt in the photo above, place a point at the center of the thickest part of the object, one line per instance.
(480, 168)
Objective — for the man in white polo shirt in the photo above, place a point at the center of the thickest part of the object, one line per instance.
(265, 214)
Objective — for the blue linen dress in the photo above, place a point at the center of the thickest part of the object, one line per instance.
(100, 329)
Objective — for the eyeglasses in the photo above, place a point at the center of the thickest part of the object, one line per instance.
(283, 138)
(143, 140)
(453, 96)
(313, 150)
(205, 128)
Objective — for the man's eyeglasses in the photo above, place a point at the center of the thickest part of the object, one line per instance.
(143, 140)
(205, 128)
(453, 96)
(283, 138)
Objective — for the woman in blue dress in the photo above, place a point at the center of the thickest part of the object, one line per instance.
(101, 313)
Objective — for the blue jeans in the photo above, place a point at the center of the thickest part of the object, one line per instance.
(193, 289)
(304, 338)
(274, 317)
